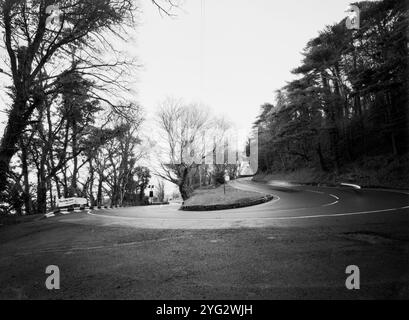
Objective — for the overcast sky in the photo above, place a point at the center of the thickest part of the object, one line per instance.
(229, 54)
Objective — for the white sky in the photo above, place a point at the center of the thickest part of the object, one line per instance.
(229, 54)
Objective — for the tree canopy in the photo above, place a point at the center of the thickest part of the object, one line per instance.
(349, 99)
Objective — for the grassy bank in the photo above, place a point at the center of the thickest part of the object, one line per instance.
(382, 171)
(216, 199)
(15, 219)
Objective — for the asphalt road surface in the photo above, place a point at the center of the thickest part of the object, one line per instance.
(294, 247)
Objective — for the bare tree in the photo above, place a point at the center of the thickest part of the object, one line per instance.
(182, 126)
(32, 44)
(161, 191)
(49, 47)
(223, 150)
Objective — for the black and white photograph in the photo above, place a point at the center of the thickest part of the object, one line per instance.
(221, 152)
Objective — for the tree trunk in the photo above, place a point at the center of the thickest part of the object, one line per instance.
(333, 136)
(183, 192)
(183, 186)
(50, 190)
(99, 193)
(393, 143)
(321, 158)
(91, 183)
(57, 186)
(74, 187)
(41, 192)
(17, 122)
(141, 194)
(26, 183)
(65, 186)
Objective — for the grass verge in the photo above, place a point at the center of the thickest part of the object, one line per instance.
(216, 199)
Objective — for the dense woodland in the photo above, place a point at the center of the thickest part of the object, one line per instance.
(349, 102)
(73, 128)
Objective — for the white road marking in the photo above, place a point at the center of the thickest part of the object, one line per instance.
(374, 189)
(341, 214)
(253, 218)
(386, 190)
(271, 218)
(334, 196)
(319, 192)
(330, 204)
(110, 246)
(355, 186)
(327, 204)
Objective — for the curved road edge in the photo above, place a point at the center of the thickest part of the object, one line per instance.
(243, 204)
